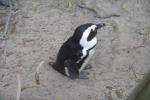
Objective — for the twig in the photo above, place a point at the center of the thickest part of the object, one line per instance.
(8, 19)
(6, 29)
(96, 13)
(132, 69)
(18, 86)
(18, 96)
(19, 76)
(37, 79)
(69, 3)
(32, 86)
(24, 88)
(133, 47)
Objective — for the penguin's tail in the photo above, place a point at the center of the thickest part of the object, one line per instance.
(57, 68)
(52, 64)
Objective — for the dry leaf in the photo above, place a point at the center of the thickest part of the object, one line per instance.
(35, 7)
(125, 7)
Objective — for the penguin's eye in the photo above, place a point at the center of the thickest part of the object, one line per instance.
(91, 35)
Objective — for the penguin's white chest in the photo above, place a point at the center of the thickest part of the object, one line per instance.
(87, 45)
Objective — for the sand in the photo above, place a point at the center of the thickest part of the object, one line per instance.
(121, 59)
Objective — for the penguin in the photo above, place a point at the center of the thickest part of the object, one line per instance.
(75, 53)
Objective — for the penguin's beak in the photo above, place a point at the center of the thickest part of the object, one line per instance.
(101, 25)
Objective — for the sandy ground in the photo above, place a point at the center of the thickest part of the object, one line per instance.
(121, 59)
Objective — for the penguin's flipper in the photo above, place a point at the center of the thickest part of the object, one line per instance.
(71, 69)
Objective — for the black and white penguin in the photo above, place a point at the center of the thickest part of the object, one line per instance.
(75, 53)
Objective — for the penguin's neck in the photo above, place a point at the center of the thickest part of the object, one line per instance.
(84, 42)
(88, 44)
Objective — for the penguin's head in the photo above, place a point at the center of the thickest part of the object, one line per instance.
(89, 31)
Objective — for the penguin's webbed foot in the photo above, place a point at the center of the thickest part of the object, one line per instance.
(88, 66)
(83, 75)
(74, 76)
